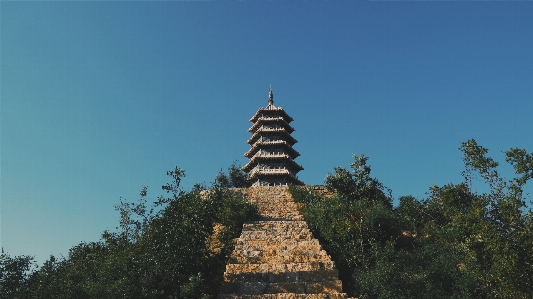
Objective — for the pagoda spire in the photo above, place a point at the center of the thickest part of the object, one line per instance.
(270, 97)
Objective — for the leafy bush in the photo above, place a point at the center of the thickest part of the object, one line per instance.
(453, 244)
(352, 223)
(170, 250)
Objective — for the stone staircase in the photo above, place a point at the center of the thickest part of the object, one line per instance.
(277, 257)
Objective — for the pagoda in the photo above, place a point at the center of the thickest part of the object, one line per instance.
(272, 156)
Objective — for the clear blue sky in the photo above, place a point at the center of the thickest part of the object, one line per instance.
(101, 98)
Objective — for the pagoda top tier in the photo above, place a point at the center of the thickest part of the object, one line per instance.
(271, 110)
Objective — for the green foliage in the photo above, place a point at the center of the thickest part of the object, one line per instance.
(351, 223)
(522, 162)
(506, 233)
(358, 184)
(14, 275)
(168, 250)
(234, 178)
(453, 244)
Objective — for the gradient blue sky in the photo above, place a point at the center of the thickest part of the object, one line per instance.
(101, 98)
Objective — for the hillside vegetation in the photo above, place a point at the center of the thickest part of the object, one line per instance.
(456, 243)
(175, 249)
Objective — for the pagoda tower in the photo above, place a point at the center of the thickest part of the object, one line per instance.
(272, 156)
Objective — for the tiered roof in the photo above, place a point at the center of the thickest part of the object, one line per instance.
(271, 154)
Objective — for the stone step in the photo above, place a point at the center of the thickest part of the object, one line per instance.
(279, 259)
(284, 296)
(278, 228)
(278, 268)
(279, 252)
(277, 212)
(274, 205)
(269, 201)
(306, 276)
(294, 247)
(277, 207)
(265, 243)
(274, 232)
(274, 248)
(257, 288)
(260, 225)
(277, 256)
(301, 235)
(281, 217)
(244, 251)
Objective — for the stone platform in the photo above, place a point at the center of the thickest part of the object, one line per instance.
(277, 257)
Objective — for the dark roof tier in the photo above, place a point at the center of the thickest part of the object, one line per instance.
(265, 132)
(269, 144)
(271, 120)
(281, 158)
(271, 110)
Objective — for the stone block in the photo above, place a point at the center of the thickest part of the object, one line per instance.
(333, 286)
(236, 277)
(251, 288)
(285, 287)
(319, 275)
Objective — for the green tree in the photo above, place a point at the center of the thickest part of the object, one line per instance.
(234, 178)
(453, 244)
(14, 275)
(175, 248)
(507, 238)
(353, 222)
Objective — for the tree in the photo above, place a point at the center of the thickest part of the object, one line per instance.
(169, 249)
(234, 178)
(455, 243)
(353, 222)
(14, 275)
(508, 232)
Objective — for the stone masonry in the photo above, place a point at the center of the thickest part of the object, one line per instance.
(277, 257)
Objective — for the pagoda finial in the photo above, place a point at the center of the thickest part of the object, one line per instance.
(270, 97)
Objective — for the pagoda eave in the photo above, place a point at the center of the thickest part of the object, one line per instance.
(262, 145)
(278, 109)
(286, 134)
(264, 120)
(254, 161)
